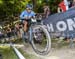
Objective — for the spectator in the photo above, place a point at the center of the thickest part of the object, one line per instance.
(1, 34)
(46, 10)
(17, 29)
(73, 3)
(61, 7)
(8, 31)
(70, 3)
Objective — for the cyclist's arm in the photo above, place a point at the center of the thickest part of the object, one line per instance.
(33, 14)
(23, 16)
(58, 10)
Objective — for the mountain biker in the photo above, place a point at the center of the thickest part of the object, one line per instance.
(26, 15)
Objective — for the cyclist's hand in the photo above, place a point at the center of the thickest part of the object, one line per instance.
(27, 17)
(33, 19)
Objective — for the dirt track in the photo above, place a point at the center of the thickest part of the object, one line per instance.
(56, 53)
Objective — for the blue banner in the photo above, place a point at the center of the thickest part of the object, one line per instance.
(62, 22)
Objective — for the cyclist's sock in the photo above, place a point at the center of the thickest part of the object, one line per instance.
(24, 33)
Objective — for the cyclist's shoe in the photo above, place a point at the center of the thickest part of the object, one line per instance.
(25, 37)
(26, 40)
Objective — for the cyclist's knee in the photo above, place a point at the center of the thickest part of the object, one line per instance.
(25, 22)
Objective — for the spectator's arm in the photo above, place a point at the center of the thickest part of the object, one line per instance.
(58, 10)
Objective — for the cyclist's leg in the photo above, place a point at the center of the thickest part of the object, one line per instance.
(25, 25)
(25, 28)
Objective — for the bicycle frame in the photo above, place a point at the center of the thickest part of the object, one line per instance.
(30, 30)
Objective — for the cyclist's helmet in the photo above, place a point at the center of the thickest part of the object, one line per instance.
(29, 6)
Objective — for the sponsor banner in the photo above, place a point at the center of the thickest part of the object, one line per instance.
(62, 22)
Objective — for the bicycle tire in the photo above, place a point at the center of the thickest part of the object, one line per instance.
(48, 47)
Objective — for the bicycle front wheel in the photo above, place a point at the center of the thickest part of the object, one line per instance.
(41, 42)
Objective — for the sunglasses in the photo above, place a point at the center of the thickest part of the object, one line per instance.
(28, 9)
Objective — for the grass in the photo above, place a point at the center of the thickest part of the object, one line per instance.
(7, 52)
(56, 43)
(28, 56)
(20, 41)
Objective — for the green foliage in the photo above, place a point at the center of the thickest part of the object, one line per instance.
(15, 7)
(9, 8)
(54, 5)
(7, 52)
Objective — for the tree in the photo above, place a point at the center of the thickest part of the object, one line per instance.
(34, 3)
(10, 8)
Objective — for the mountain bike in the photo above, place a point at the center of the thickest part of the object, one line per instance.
(38, 37)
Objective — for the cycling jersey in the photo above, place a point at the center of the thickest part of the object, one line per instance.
(25, 14)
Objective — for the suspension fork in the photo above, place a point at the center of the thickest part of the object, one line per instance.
(30, 34)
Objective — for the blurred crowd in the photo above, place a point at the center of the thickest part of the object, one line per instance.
(17, 29)
(11, 32)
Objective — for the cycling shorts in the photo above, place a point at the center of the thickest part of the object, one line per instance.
(27, 20)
